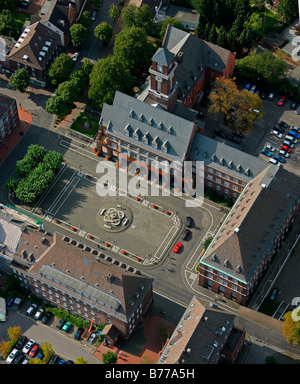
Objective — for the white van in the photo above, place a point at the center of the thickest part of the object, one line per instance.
(273, 161)
(291, 138)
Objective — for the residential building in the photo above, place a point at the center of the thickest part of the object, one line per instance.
(86, 282)
(203, 336)
(227, 170)
(9, 117)
(183, 67)
(187, 16)
(35, 50)
(145, 133)
(251, 234)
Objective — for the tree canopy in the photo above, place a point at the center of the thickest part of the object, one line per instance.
(107, 76)
(19, 80)
(291, 329)
(8, 24)
(79, 35)
(103, 32)
(60, 69)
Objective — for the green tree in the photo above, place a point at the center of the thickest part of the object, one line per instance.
(287, 10)
(79, 35)
(222, 37)
(8, 24)
(87, 67)
(53, 160)
(205, 8)
(85, 19)
(213, 35)
(8, 4)
(19, 80)
(114, 12)
(69, 91)
(109, 358)
(169, 21)
(254, 23)
(132, 48)
(80, 360)
(103, 32)
(139, 17)
(11, 185)
(60, 69)
(107, 76)
(56, 105)
(291, 329)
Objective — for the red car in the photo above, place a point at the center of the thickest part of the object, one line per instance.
(285, 148)
(281, 101)
(177, 247)
(34, 350)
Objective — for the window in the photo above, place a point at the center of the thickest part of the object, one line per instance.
(159, 68)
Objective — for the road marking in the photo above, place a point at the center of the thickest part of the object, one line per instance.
(172, 229)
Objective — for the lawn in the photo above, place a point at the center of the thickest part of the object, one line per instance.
(272, 22)
(79, 125)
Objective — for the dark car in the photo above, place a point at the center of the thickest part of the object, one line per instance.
(10, 301)
(46, 317)
(18, 358)
(22, 340)
(70, 362)
(234, 139)
(185, 234)
(54, 359)
(238, 134)
(220, 133)
(201, 115)
(274, 294)
(188, 221)
(60, 324)
(78, 333)
(283, 124)
(94, 15)
(294, 105)
(279, 128)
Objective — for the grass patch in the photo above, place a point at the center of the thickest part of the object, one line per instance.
(272, 22)
(79, 125)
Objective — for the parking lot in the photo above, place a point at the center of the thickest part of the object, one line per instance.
(63, 343)
(261, 135)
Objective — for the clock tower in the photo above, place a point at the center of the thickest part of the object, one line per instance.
(163, 85)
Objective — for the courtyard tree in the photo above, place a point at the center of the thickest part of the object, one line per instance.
(85, 19)
(287, 10)
(56, 105)
(109, 358)
(60, 69)
(79, 35)
(132, 48)
(19, 80)
(107, 76)
(11, 185)
(139, 17)
(291, 329)
(103, 32)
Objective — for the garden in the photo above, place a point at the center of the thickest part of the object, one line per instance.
(86, 125)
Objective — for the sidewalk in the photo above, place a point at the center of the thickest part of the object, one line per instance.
(16, 135)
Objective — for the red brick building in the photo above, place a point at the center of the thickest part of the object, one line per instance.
(84, 281)
(9, 117)
(251, 234)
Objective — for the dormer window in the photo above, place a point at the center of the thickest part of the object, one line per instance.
(155, 142)
(136, 134)
(127, 130)
(146, 138)
(165, 146)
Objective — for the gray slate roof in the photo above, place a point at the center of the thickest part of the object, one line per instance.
(197, 54)
(163, 57)
(144, 118)
(226, 158)
(249, 230)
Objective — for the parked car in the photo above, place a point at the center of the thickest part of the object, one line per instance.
(75, 56)
(12, 355)
(33, 350)
(235, 139)
(279, 158)
(274, 294)
(279, 128)
(276, 133)
(291, 138)
(10, 301)
(281, 101)
(40, 355)
(238, 134)
(283, 153)
(31, 309)
(94, 15)
(18, 358)
(286, 148)
(78, 333)
(92, 337)
(66, 326)
(61, 361)
(220, 133)
(188, 221)
(39, 313)
(293, 133)
(60, 324)
(298, 110)
(26, 360)
(46, 317)
(265, 152)
(54, 359)
(273, 161)
(22, 340)
(295, 128)
(28, 345)
(185, 234)
(288, 143)
(283, 124)
(247, 87)
(177, 247)
(269, 148)
(271, 96)
(253, 89)
(294, 105)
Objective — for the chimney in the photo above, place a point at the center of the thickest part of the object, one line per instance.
(71, 14)
(110, 277)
